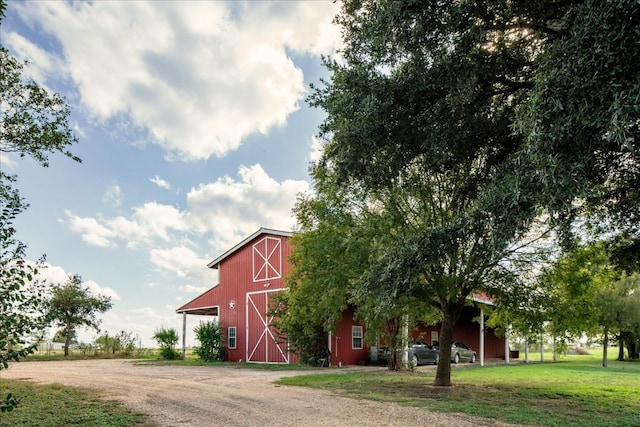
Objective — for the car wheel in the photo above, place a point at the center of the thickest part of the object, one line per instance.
(414, 361)
(456, 358)
(437, 359)
(473, 359)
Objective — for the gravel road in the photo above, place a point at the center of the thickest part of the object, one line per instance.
(226, 396)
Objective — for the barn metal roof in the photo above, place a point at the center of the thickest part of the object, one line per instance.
(262, 230)
(202, 304)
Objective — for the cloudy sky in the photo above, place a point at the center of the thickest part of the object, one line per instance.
(193, 130)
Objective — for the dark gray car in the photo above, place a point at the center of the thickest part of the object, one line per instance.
(421, 353)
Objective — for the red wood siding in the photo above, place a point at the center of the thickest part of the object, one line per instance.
(342, 352)
(247, 278)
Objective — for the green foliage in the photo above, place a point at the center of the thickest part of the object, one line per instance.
(419, 126)
(211, 337)
(33, 122)
(9, 403)
(167, 338)
(461, 123)
(571, 289)
(73, 306)
(123, 344)
(22, 301)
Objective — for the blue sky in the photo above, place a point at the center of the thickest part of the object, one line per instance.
(193, 130)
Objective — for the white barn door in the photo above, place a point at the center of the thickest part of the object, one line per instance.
(262, 345)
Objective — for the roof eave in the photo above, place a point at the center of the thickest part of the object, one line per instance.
(216, 262)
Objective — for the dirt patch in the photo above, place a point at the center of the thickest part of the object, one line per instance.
(213, 395)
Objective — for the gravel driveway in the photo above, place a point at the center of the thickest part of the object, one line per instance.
(226, 396)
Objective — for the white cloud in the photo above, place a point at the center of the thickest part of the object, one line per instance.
(231, 209)
(224, 211)
(93, 233)
(198, 76)
(182, 261)
(96, 290)
(41, 64)
(7, 161)
(113, 195)
(190, 289)
(317, 147)
(148, 222)
(160, 182)
(55, 275)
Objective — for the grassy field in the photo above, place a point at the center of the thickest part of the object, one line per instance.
(575, 391)
(54, 405)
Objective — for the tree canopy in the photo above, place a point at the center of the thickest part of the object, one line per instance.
(461, 124)
(73, 306)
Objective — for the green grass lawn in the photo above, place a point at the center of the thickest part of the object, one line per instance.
(575, 391)
(54, 405)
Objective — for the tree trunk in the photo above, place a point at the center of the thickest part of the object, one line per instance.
(632, 348)
(620, 349)
(67, 339)
(605, 345)
(450, 313)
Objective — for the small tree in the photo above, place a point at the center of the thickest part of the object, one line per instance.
(211, 338)
(72, 306)
(123, 343)
(167, 338)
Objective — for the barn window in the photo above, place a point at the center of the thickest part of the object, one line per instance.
(356, 337)
(231, 336)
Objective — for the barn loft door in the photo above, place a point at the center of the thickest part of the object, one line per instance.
(267, 259)
(261, 336)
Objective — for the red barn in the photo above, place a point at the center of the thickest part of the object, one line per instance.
(252, 271)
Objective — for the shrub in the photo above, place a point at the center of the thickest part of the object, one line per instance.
(211, 338)
(167, 338)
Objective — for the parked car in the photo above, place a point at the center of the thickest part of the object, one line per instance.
(460, 352)
(419, 353)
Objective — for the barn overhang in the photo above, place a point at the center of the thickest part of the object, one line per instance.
(201, 311)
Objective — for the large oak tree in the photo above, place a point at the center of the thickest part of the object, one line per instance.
(462, 120)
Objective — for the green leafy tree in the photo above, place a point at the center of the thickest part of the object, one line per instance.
(571, 288)
(419, 118)
(167, 338)
(211, 337)
(461, 119)
(73, 306)
(33, 123)
(618, 311)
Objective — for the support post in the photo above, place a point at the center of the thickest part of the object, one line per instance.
(184, 335)
(405, 341)
(506, 345)
(481, 337)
